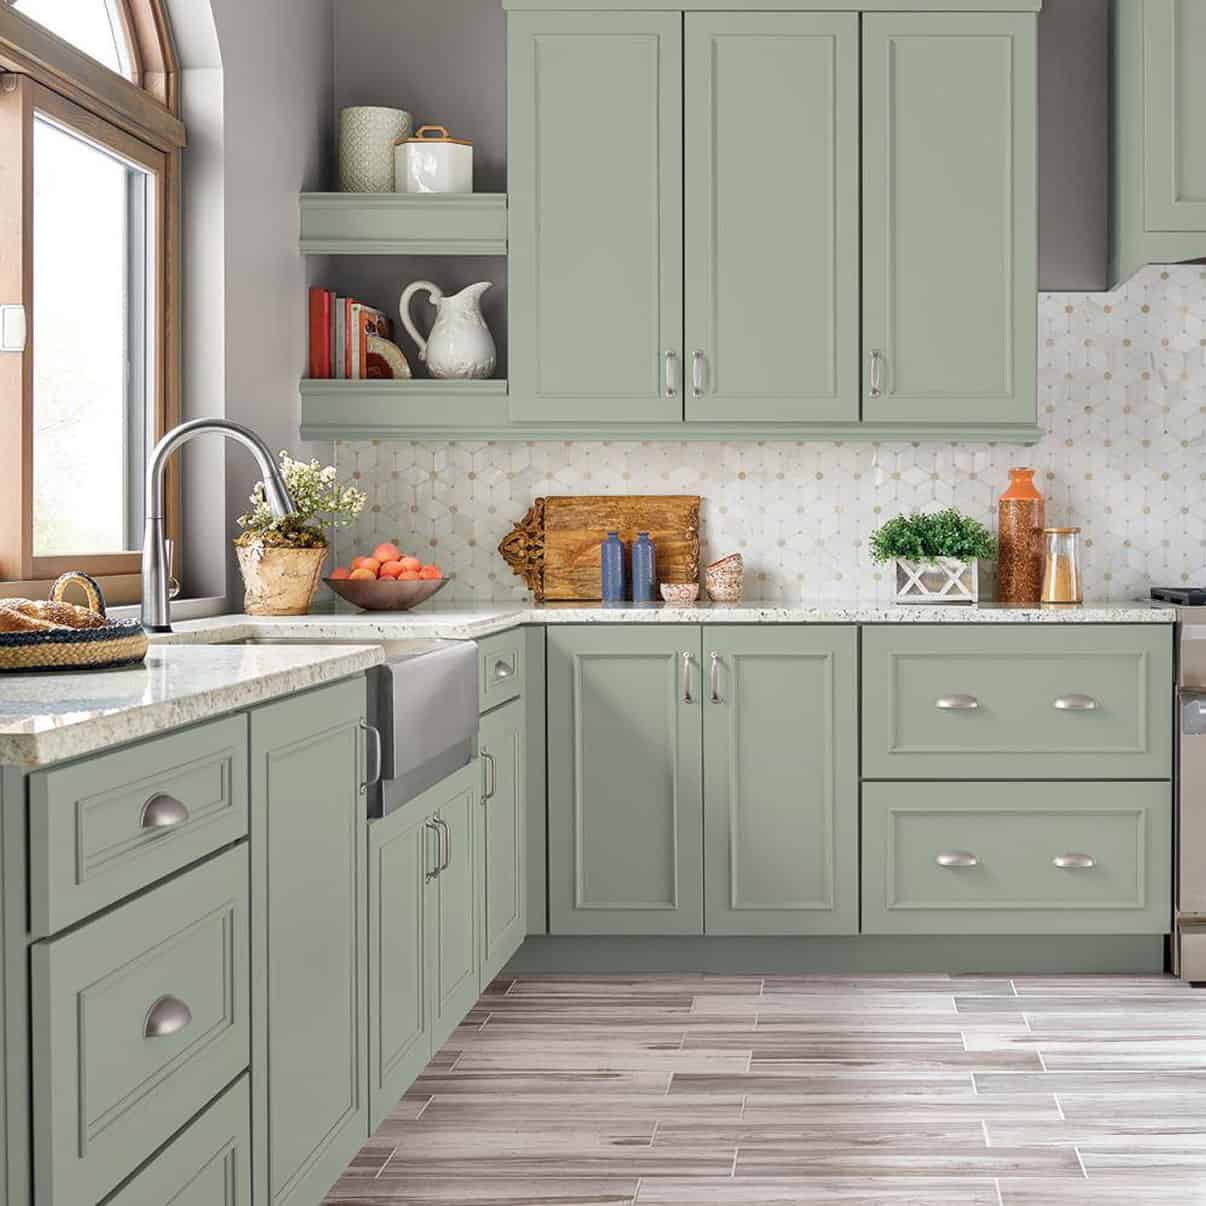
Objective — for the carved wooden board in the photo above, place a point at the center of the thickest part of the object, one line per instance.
(555, 547)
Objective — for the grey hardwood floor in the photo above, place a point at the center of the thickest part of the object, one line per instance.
(928, 1090)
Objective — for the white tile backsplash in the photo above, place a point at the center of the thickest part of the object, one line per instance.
(1122, 401)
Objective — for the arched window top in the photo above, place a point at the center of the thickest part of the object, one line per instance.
(97, 27)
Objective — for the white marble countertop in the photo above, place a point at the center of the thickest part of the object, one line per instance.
(188, 677)
(46, 718)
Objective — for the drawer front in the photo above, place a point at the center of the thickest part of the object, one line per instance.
(106, 827)
(1027, 702)
(500, 674)
(1001, 858)
(209, 1164)
(140, 1018)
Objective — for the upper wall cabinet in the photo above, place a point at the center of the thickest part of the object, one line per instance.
(595, 182)
(1159, 191)
(949, 218)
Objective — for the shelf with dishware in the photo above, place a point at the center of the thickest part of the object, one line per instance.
(403, 223)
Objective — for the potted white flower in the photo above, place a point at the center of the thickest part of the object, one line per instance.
(281, 559)
(936, 556)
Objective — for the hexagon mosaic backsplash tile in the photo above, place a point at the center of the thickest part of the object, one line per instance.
(1122, 401)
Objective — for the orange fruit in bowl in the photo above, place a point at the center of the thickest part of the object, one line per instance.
(363, 574)
(408, 575)
(368, 563)
(385, 574)
(431, 572)
(387, 552)
(411, 563)
(341, 571)
(389, 569)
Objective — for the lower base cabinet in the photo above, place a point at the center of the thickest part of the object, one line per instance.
(309, 942)
(502, 838)
(423, 950)
(1017, 858)
(208, 1164)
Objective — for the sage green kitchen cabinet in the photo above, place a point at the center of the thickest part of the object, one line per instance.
(309, 941)
(772, 240)
(422, 940)
(501, 838)
(950, 256)
(625, 844)
(595, 217)
(1159, 130)
(1017, 858)
(780, 717)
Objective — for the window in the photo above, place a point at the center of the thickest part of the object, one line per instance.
(89, 219)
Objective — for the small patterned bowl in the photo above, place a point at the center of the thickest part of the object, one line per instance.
(725, 579)
(680, 593)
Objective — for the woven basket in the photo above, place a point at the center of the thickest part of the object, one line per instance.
(118, 643)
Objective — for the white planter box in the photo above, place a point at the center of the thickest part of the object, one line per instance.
(944, 580)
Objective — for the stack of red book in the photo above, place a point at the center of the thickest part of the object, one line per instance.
(340, 328)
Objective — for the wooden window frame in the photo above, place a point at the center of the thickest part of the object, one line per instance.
(138, 120)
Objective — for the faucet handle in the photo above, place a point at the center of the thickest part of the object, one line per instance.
(173, 583)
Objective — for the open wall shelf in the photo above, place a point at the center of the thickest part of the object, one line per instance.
(404, 223)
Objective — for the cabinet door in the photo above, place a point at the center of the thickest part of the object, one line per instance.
(949, 218)
(595, 216)
(402, 858)
(625, 809)
(309, 905)
(502, 832)
(452, 912)
(781, 779)
(1174, 38)
(772, 239)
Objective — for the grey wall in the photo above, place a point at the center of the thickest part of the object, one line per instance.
(259, 110)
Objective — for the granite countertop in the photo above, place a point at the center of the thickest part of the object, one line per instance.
(46, 718)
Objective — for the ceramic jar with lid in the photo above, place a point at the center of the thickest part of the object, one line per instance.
(433, 162)
(1061, 566)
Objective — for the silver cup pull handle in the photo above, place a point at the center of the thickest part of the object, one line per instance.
(162, 811)
(956, 858)
(167, 1016)
(876, 375)
(1073, 861)
(698, 364)
(1075, 703)
(686, 679)
(671, 374)
(957, 703)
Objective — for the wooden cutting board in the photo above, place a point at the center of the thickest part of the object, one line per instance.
(555, 547)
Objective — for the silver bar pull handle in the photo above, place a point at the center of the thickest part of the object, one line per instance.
(671, 374)
(1075, 703)
(714, 678)
(491, 776)
(686, 678)
(167, 1016)
(430, 875)
(876, 376)
(956, 858)
(447, 843)
(698, 365)
(372, 736)
(162, 811)
(1074, 862)
(957, 703)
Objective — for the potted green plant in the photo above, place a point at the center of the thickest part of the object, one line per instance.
(936, 556)
(281, 559)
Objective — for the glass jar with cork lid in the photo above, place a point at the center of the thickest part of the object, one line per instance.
(1061, 566)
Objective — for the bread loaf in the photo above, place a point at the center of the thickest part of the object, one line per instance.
(52, 615)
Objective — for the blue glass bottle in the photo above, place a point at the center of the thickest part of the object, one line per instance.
(612, 553)
(644, 568)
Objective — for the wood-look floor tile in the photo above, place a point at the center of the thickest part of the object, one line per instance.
(955, 1160)
(822, 1134)
(1103, 1191)
(1191, 1084)
(1158, 1133)
(436, 1190)
(801, 1081)
(840, 1108)
(833, 1191)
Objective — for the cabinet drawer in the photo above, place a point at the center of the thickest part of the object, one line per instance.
(209, 1164)
(1064, 701)
(102, 828)
(500, 674)
(1001, 858)
(139, 1019)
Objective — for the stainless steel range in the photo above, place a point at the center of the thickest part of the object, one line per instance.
(1189, 938)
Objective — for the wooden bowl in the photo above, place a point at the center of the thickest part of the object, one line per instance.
(385, 594)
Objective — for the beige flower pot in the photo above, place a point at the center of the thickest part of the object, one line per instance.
(279, 582)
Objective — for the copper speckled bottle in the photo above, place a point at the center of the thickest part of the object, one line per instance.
(1020, 540)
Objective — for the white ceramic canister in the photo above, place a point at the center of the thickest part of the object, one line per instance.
(431, 162)
(367, 134)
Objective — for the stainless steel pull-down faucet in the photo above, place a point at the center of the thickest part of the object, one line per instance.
(155, 615)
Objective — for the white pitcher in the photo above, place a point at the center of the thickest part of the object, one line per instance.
(460, 344)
